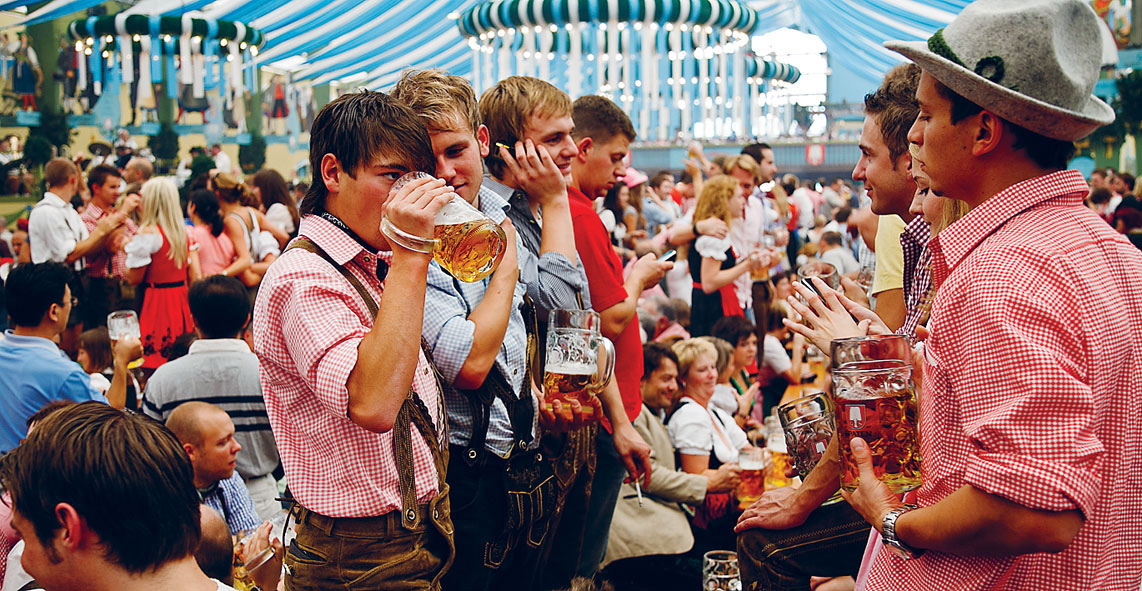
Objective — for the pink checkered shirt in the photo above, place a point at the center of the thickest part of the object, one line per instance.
(308, 322)
(103, 262)
(1033, 387)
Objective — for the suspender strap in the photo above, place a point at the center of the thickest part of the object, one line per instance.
(412, 411)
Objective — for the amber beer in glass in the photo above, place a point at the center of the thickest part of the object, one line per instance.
(751, 460)
(580, 361)
(465, 243)
(876, 401)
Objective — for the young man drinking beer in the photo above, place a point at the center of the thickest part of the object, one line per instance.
(352, 399)
(523, 113)
(478, 335)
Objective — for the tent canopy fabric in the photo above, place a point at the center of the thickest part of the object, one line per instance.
(374, 40)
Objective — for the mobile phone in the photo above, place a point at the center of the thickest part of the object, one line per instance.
(808, 282)
(668, 257)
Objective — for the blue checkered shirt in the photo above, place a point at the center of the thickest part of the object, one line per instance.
(232, 500)
(449, 333)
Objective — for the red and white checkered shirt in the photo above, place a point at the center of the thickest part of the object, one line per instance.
(103, 261)
(1032, 387)
(308, 322)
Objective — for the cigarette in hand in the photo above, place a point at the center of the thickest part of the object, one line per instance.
(638, 491)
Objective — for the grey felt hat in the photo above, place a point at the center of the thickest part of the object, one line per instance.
(1032, 62)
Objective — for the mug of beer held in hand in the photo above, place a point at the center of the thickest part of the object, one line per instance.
(876, 401)
(580, 360)
(466, 243)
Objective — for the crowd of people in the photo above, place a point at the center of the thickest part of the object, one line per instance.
(296, 369)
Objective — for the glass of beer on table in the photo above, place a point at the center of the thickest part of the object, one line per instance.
(466, 243)
(580, 360)
(875, 399)
(124, 323)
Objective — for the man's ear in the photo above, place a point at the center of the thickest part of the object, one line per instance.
(484, 139)
(190, 452)
(71, 533)
(331, 173)
(584, 146)
(989, 133)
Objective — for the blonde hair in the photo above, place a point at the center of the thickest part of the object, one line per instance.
(441, 101)
(161, 208)
(725, 352)
(689, 350)
(506, 108)
(744, 162)
(714, 202)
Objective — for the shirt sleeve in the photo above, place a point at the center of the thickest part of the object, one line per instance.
(690, 430)
(322, 334)
(553, 282)
(77, 386)
(1019, 371)
(712, 248)
(595, 250)
(775, 356)
(889, 255)
(447, 330)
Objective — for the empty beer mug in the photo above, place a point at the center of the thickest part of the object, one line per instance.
(466, 243)
(580, 360)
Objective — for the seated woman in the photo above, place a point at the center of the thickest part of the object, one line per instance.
(705, 437)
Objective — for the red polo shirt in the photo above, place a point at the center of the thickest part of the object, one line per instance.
(605, 281)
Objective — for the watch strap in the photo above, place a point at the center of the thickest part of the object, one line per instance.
(889, 537)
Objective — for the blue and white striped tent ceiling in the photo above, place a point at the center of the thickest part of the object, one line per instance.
(371, 41)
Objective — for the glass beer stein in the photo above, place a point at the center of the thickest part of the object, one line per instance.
(580, 360)
(876, 401)
(466, 243)
(822, 270)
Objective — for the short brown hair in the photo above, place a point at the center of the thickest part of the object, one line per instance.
(57, 171)
(442, 101)
(358, 127)
(600, 119)
(744, 162)
(98, 175)
(124, 473)
(895, 108)
(506, 107)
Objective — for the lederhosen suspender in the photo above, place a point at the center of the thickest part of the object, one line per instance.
(412, 412)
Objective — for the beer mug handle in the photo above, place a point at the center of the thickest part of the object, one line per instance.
(604, 375)
(409, 241)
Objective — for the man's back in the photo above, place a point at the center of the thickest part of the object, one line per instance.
(33, 372)
(223, 372)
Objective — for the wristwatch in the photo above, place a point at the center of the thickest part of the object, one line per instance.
(888, 533)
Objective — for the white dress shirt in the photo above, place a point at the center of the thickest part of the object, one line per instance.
(54, 229)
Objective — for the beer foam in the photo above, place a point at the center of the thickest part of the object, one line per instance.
(457, 211)
(571, 368)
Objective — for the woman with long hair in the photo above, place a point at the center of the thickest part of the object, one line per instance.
(162, 258)
(274, 194)
(714, 264)
(246, 225)
(216, 251)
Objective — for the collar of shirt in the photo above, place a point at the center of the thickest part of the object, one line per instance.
(54, 200)
(339, 246)
(515, 199)
(218, 346)
(14, 340)
(493, 205)
(918, 230)
(953, 244)
(93, 211)
(575, 193)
